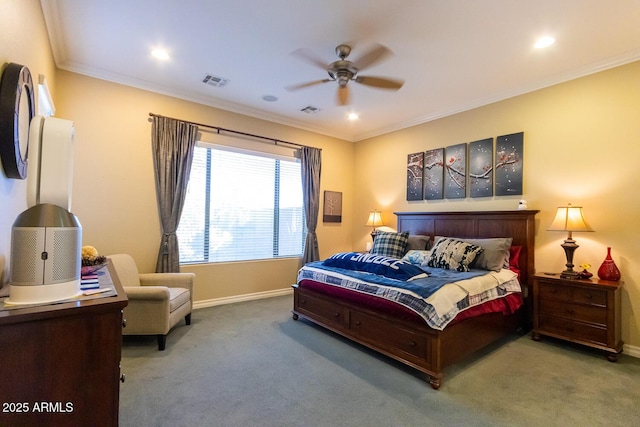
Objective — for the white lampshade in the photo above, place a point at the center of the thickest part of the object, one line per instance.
(569, 218)
(375, 219)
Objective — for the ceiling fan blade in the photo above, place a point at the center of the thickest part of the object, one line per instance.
(380, 82)
(375, 55)
(307, 84)
(344, 95)
(308, 56)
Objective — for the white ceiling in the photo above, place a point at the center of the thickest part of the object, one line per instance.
(453, 54)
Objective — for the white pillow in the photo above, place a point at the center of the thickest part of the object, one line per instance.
(417, 257)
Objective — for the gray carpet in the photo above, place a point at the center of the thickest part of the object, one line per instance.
(251, 364)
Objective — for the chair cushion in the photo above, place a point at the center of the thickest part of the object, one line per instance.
(178, 297)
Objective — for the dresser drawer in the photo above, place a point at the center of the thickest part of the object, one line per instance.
(575, 330)
(553, 291)
(590, 296)
(581, 312)
(402, 342)
(554, 325)
(591, 333)
(322, 310)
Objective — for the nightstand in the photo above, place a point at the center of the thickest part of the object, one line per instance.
(585, 311)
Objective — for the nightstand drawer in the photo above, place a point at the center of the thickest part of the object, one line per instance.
(552, 291)
(585, 313)
(591, 333)
(590, 296)
(575, 330)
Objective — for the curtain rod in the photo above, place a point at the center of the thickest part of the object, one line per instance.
(219, 129)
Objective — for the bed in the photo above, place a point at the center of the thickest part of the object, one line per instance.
(400, 333)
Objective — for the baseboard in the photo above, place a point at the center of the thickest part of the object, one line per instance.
(631, 350)
(240, 298)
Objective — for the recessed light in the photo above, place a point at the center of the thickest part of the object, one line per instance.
(160, 54)
(270, 98)
(543, 42)
(352, 116)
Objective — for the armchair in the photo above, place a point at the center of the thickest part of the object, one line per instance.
(157, 301)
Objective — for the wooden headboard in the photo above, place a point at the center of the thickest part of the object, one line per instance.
(520, 225)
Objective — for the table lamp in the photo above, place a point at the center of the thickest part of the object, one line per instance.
(375, 220)
(569, 218)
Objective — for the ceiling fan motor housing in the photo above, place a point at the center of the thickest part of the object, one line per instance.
(342, 71)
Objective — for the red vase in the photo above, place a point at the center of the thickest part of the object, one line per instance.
(608, 270)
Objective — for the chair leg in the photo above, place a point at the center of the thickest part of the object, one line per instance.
(187, 318)
(162, 342)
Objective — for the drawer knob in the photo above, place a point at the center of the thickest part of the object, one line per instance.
(589, 296)
(303, 301)
(122, 377)
(358, 323)
(412, 344)
(124, 323)
(336, 314)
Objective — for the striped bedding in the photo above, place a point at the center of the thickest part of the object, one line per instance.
(437, 304)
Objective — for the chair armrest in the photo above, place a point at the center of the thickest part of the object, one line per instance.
(170, 280)
(160, 293)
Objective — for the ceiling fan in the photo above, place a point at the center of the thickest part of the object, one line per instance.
(343, 71)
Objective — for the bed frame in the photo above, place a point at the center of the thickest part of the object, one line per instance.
(417, 345)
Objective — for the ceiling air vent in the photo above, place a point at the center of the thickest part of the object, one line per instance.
(310, 109)
(216, 81)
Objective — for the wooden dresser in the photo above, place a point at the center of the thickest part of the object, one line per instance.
(581, 311)
(60, 363)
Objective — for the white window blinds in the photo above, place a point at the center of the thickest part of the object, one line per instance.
(241, 206)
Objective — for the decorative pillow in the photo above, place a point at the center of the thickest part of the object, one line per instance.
(377, 264)
(453, 254)
(416, 257)
(514, 259)
(418, 242)
(496, 250)
(390, 244)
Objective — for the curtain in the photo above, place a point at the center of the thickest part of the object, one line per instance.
(310, 168)
(173, 142)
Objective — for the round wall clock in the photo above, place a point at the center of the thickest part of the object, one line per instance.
(17, 108)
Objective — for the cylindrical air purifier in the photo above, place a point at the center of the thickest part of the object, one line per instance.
(46, 247)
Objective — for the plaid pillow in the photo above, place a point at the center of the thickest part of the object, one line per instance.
(453, 254)
(390, 244)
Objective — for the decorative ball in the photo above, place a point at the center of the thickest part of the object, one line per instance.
(89, 253)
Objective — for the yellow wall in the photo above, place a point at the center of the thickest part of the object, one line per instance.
(114, 189)
(582, 145)
(23, 40)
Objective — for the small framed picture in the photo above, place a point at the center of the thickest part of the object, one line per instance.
(332, 207)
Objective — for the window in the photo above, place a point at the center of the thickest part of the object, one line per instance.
(241, 206)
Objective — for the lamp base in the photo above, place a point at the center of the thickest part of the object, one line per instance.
(569, 247)
(570, 274)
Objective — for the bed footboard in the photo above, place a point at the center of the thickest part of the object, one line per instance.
(408, 343)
